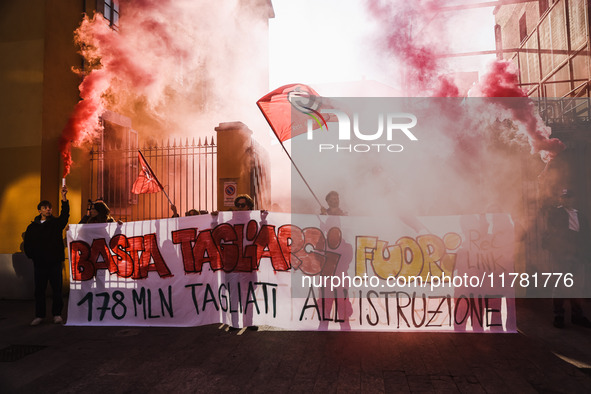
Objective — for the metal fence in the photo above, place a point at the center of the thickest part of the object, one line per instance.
(564, 111)
(186, 169)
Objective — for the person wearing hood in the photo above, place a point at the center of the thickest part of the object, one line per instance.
(44, 244)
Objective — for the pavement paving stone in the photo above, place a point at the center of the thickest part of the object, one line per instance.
(395, 382)
(468, 384)
(328, 374)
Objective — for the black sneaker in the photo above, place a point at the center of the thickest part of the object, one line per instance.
(559, 321)
(581, 321)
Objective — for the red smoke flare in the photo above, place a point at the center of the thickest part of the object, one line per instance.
(84, 120)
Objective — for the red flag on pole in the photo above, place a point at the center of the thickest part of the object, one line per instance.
(146, 181)
(277, 106)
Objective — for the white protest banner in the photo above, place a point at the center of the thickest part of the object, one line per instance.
(297, 272)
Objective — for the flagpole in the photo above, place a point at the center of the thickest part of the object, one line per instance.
(298, 170)
(289, 156)
(166, 194)
(152, 172)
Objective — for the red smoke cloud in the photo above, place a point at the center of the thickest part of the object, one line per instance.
(414, 35)
(501, 81)
(114, 58)
(408, 28)
(168, 59)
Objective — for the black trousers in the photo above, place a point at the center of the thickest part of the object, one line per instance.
(51, 273)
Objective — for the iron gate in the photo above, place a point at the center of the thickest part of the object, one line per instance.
(186, 170)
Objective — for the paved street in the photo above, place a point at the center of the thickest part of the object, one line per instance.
(52, 358)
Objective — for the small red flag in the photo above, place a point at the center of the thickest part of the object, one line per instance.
(277, 107)
(146, 181)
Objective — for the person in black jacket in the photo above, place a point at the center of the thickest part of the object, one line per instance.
(44, 245)
(568, 241)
